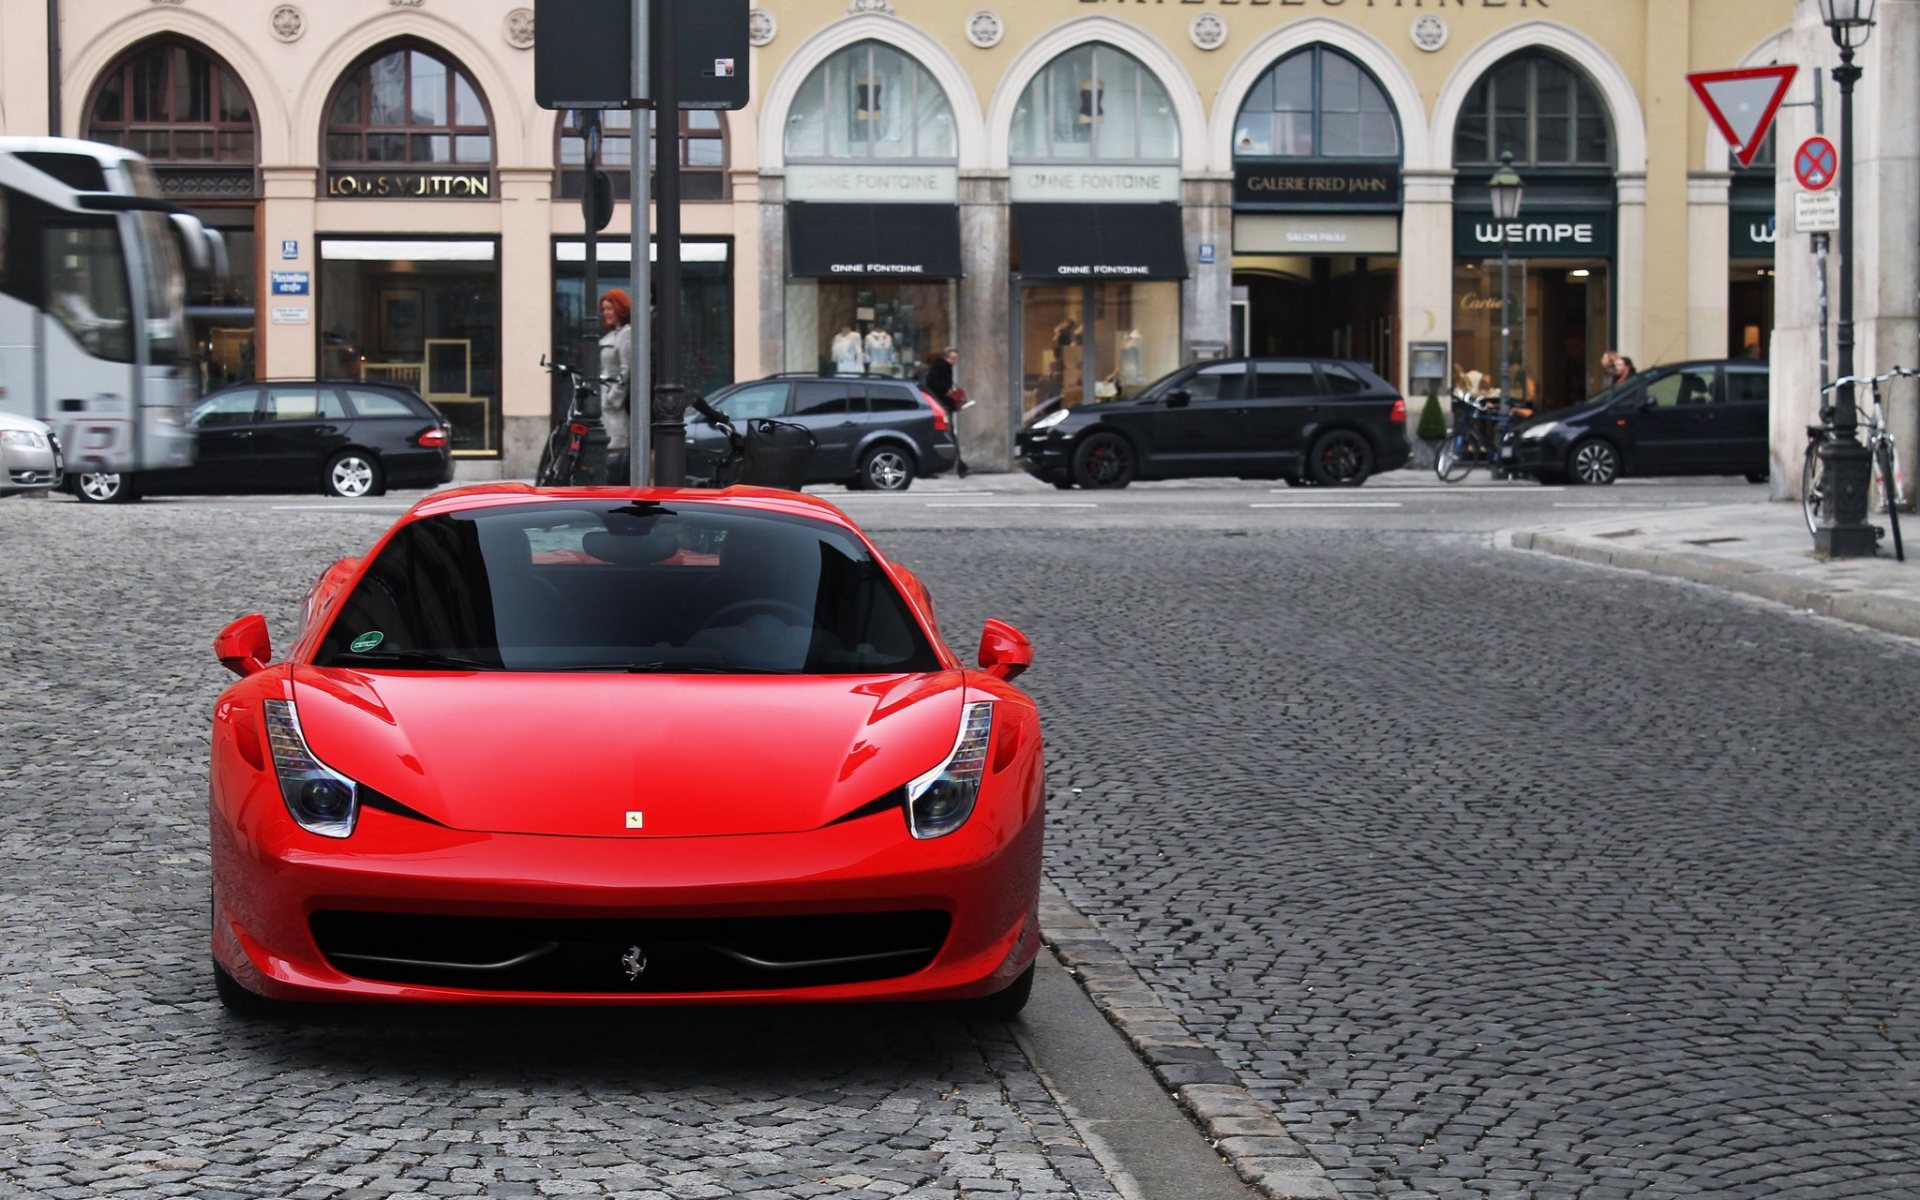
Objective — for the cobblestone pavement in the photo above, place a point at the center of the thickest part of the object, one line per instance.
(1493, 875)
(120, 1076)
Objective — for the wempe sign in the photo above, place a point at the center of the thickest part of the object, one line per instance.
(1559, 235)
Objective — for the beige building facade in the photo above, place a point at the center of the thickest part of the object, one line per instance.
(1080, 194)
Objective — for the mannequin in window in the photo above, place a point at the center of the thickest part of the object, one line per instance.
(847, 356)
(866, 104)
(1090, 109)
(1129, 373)
(880, 349)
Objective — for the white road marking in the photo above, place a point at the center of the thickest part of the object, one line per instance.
(1010, 504)
(1634, 504)
(1334, 504)
(916, 492)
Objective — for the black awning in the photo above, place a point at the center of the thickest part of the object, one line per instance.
(1100, 242)
(909, 241)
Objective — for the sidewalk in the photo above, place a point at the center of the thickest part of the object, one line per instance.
(1761, 549)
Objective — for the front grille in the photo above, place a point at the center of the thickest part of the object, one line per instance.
(32, 478)
(664, 956)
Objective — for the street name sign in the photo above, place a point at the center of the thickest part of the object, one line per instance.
(1816, 212)
(1742, 103)
(1815, 164)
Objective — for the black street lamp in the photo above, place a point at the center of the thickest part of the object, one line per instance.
(1846, 464)
(1505, 189)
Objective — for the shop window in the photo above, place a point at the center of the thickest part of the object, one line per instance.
(871, 326)
(871, 101)
(1317, 103)
(703, 154)
(1539, 109)
(173, 102)
(407, 106)
(1095, 102)
(706, 304)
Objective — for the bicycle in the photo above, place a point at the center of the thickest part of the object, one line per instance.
(562, 463)
(1481, 428)
(1880, 444)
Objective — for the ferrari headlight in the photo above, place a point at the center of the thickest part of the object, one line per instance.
(1535, 432)
(1050, 420)
(23, 437)
(940, 801)
(320, 799)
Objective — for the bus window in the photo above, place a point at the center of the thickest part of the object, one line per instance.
(87, 288)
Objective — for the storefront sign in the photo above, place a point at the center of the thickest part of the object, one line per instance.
(1056, 184)
(290, 283)
(1751, 233)
(1316, 185)
(1562, 234)
(852, 240)
(410, 185)
(862, 184)
(291, 314)
(1099, 242)
(1304, 233)
(1512, 4)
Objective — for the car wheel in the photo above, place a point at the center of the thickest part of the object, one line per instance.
(1340, 458)
(353, 474)
(1105, 460)
(1594, 461)
(886, 469)
(104, 487)
(239, 1001)
(1005, 1004)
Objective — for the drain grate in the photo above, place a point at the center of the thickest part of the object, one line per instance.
(1714, 541)
(1618, 533)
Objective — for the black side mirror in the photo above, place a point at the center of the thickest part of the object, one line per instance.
(1179, 398)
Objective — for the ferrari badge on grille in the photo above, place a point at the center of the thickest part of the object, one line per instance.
(635, 963)
(636, 820)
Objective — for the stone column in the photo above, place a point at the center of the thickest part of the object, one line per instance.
(773, 273)
(1426, 272)
(984, 325)
(1630, 268)
(1707, 270)
(1206, 298)
(288, 351)
(526, 320)
(1886, 251)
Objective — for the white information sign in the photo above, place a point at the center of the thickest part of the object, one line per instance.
(291, 314)
(1816, 212)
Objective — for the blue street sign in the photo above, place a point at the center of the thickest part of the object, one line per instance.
(289, 249)
(1206, 252)
(289, 283)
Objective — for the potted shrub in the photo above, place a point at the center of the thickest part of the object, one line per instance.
(1430, 432)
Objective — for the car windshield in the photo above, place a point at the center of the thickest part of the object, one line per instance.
(680, 588)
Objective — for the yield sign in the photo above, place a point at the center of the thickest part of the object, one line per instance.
(1742, 103)
(1815, 163)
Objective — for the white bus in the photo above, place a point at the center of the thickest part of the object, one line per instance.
(93, 330)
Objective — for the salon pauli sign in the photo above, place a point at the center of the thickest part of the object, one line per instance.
(1561, 235)
(407, 186)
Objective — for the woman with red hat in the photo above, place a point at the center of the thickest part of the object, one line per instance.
(616, 365)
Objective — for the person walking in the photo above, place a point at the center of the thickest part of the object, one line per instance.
(939, 384)
(616, 366)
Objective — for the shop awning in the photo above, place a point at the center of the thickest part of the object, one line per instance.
(1099, 242)
(911, 241)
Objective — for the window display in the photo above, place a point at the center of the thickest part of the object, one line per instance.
(870, 327)
(1560, 328)
(1086, 342)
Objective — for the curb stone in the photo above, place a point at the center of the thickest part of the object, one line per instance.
(1242, 1129)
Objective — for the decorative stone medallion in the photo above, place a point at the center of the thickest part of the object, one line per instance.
(518, 29)
(870, 6)
(1429, 33)
(1208, 31)
(287, 23)
(169, 1)
(761, 27)
(985, 30)
(406, 3)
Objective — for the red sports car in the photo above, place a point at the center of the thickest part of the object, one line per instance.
(611, 746)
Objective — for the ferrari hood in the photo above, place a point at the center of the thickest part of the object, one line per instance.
(579, 754)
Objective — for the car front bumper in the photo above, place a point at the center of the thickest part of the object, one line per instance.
(1044, 456)
(30, 468)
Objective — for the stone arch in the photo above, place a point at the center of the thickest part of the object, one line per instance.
(272, 127)
(1583, 53)
(1719, 156)
(1416, 150)
(903, 36)
(1187, 109)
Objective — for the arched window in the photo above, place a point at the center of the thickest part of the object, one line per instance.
(173, 102)
(874, 102)
(1539, 108)
(1095, 102)
(703, 153)
(1317, 103)
(405, 105)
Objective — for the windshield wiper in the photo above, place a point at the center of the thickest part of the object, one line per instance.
(416, 658)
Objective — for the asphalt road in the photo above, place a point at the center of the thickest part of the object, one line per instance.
(1490, 874)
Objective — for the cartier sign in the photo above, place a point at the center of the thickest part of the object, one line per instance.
(411, 185)
(1301, 186)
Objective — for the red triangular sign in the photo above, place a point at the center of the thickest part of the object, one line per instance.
(1742, 103)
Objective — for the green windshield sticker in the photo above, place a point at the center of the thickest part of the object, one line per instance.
(366, 642)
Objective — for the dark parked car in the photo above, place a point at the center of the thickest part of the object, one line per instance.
(1305, 420)
(1707, 417)
(871, 432)
(347, 439)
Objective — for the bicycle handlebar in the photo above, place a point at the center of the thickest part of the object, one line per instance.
(579, 380)
(1857, 380)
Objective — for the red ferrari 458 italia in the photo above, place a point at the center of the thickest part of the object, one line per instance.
(610, 746)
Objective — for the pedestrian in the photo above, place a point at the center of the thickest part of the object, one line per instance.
(1609, 367)
(1623, 368)
(616, 367)
(939, 385)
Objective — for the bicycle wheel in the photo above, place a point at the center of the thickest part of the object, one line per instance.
(556, 467)
(1813, 486)
(1885, 465)
(1455, 460)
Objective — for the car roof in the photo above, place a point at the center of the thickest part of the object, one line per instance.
(479, 496)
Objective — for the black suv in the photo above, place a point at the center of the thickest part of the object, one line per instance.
(347, 439)
(1305, 420)
(871, 432)
(1705, 417)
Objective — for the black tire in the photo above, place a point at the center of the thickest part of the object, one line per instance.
(102, 487)
(1340, 458)
(1005, 1004)
(1889, 493)
(1104, 460)
(353, 475)
(1813, 486)
(1593, 461)
(248, 1006)
(886, 468)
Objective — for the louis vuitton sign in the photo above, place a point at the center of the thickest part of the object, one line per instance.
(1282, 186)
(407, 185)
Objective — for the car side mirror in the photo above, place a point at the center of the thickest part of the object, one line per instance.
(1648, 404)
(1004, 651)
(1179, 398)
(244, 647)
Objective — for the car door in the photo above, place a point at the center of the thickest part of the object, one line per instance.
(301, 427)
(826, 409)
(1746, 417)
(1204, 434)
(1676, 430)
(224, 428)
(1284, 401)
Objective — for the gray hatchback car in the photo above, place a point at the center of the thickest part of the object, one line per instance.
(870, 432)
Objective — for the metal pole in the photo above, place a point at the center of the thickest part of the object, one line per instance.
(589, 122)
(669, 398)
(1820, 268)
(54, 68)
(639, 438)
(1844, 532)
(1506, 332)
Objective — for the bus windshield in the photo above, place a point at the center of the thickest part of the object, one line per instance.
(86, 285)
(166, 289)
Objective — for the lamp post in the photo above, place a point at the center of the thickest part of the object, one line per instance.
(1505, 190)
(1845, 463)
